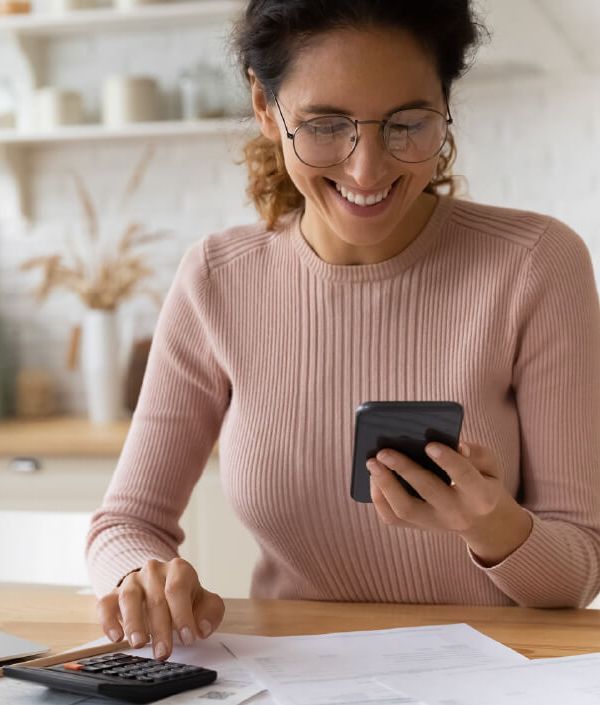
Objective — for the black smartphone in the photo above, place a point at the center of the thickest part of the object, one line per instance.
(405, 426)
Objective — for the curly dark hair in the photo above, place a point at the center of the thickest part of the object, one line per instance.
(269, 34)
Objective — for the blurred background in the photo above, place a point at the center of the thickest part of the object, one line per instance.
(120, 134)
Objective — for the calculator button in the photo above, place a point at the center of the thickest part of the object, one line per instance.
(73, 666)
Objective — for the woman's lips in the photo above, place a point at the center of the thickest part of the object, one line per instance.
(363, 211)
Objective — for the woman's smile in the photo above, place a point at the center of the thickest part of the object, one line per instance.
(359, 204)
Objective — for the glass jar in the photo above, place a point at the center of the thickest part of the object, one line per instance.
(201, 91)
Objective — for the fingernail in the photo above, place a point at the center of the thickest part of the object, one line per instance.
(186, 636)
(160, 650)
(373, 468)
(433, 450)
(205, 628)
(137, 639)
(114, 634)
(383, 456)
(465, 450)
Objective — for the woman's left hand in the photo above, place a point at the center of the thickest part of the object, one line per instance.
(476, 506)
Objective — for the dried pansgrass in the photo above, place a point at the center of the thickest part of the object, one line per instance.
(101, 280)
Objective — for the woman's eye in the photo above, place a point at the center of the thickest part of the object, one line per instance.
(328, 129)
(332, 128)
(415, 127)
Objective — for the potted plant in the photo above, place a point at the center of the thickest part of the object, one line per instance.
(103, 276)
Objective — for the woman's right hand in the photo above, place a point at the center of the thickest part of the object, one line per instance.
(157, 599)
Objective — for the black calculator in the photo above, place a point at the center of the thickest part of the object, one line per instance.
(131, 678)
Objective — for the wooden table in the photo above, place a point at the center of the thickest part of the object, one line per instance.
(63, 619)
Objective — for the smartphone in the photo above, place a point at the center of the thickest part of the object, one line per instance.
(405, 426)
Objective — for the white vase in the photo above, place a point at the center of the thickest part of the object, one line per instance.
(102, 373)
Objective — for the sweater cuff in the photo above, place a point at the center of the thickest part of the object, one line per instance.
(108, 569)
(532, 575)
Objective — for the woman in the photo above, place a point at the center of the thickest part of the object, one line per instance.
(362, 282)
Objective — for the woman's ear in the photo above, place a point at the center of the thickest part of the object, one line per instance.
(262, 111)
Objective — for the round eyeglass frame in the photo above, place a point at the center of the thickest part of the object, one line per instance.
(382, 123)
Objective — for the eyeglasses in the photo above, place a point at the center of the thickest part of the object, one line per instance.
(413, 136)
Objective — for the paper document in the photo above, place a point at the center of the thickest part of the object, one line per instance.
(13, 692)
(570, 680)
(381, 667)
(352, 667)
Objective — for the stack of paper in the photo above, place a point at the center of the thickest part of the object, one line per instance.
(438, 665)
(570, 680)
(353, 667)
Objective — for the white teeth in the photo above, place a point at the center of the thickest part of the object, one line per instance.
(360, 200)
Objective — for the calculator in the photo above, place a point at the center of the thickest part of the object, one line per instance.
(116, 675)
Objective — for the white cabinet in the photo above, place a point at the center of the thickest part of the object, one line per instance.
(44, 516)
(217, 544)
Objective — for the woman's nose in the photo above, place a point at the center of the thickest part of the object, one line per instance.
(367, 165)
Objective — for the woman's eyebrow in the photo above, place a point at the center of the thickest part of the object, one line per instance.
(324, 109)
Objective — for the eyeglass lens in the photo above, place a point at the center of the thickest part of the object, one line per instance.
(409, 135)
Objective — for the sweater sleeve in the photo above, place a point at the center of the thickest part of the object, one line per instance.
(182, 403)
(556, 384)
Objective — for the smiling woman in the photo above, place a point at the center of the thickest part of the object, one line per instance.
(442, 37)
(362, 281)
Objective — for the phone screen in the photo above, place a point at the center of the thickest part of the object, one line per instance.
(406, 427)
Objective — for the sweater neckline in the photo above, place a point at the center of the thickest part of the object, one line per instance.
(380, 270)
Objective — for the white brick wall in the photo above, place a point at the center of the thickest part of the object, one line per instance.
(531, 143)
(534, 143)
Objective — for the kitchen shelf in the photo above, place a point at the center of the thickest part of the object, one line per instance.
(13, 143)
(144, 130)
(27, 37)
(40, 24)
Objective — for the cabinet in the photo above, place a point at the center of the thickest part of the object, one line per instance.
(29, 37)
(45, 512)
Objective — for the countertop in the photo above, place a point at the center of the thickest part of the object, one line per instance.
(61, 436)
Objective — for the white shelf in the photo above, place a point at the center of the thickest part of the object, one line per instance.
(40, 24)
(27, 36)
(165, 129)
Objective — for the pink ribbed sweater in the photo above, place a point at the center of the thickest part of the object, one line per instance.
(263, 342)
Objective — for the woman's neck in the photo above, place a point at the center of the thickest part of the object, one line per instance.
(333, 250)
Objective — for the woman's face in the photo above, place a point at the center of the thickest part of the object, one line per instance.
(365, 75)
